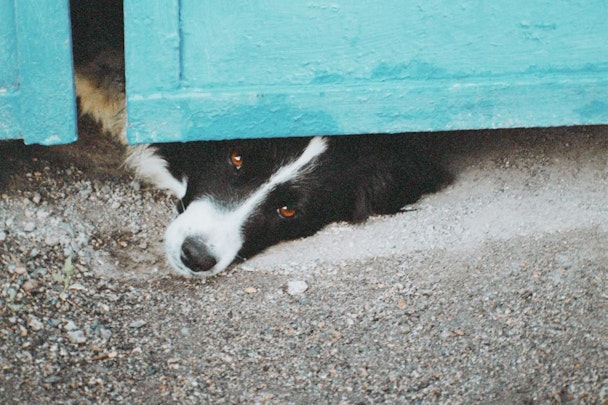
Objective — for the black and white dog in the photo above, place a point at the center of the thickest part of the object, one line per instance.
(237, 198)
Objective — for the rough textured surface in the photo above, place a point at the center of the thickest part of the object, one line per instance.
(275, 68)
(35, 66)
(493, 290)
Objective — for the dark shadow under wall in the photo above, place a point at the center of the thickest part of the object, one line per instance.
(96, 26)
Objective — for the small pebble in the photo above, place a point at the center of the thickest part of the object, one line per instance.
(137, 324)
(77, 286)
(35, 323)
(296, 287)
(51, 240)
(42, 214)
(251, 290)
(54, 322)
(29, 285)
(29, 226)
(39, 272)
(105, 334)
(77, 336)
(52, 379)
(70, 326)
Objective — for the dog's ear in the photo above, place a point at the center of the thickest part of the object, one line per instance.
(370, 195)
(362, 208)
(387, 191)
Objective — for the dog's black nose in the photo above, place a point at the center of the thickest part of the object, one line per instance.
(196, 256)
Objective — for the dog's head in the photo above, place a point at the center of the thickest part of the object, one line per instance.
(236, 198)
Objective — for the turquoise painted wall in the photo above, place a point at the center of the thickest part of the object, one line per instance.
(37, 101)
(248, 68)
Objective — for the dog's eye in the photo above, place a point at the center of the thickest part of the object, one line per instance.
(286, 211)
(236, 159)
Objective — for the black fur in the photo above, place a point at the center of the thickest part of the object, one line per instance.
(356, 177)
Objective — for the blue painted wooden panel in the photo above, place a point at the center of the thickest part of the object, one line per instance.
(37, 101)
(249, 68)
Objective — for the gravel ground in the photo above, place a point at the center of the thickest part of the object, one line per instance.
(494, 290)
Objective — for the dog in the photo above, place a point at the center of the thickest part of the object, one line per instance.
(236, 198)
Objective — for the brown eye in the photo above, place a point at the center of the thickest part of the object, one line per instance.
(286, 212)
(236, 159)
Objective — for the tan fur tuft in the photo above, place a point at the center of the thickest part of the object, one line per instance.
(100, 87)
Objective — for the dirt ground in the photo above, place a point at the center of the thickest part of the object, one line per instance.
(494, 290)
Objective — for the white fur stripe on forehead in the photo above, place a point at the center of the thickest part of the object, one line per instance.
(289, 172)
(146, 162)
(316, 147)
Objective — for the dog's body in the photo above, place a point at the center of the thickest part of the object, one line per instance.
(239, 197)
